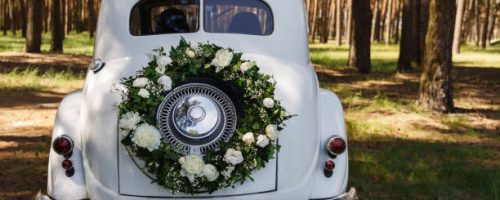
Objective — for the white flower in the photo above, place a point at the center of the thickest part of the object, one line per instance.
(163, 61)
(194, 45)
(129, 121)
(160, 69)
(227, 173)
(272, 81)
(222, 59)
(246, 66)
(210, 172)
(144, 93)
(262, 141)
(248, 138)
(233, 157)
(268, 102)
(190, 177)
(152, 56)
(140, 82)
(193, 164)
(272, 132)
(190, 53)
(165, 82)
(147, 136)
(124, 132)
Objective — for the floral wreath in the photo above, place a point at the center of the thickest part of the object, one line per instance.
(251, 146)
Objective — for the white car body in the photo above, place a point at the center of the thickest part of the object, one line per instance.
(103, 168)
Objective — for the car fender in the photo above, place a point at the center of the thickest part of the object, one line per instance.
(67, 122)
(331, 123)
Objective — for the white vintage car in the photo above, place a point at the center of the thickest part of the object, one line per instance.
(88, 159)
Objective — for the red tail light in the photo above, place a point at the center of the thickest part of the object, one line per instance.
(329, 165)
(67, 164)
(63, 145)
(336, 145)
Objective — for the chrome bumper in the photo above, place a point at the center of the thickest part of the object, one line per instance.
(351, 195)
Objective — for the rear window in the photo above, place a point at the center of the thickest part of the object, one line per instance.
(252, 17)
(151, 17)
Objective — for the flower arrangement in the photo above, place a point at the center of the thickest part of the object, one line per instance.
(250, 148)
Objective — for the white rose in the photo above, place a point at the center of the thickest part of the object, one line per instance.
(233, 157)
(262, 141)
(193, 164)
(144, 93)
(194, 45)
(272, 132)
(160, 69)
(210, 172)
(268, 102)
(246, 66)
(227, 173)
(190, 53)
(163, 61)
(140, 82)
(147, 136)
(248, 138)
(129, 121)
(165, 82)
(222, 59)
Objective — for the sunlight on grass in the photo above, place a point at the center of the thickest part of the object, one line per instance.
(32, 80)
(384, 58)
(75, 43)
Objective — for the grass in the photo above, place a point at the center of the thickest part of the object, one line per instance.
(30, 80)
(75, 43)
(384, 58)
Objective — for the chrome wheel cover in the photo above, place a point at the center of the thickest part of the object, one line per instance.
(195, 118)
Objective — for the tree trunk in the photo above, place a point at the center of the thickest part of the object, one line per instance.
(423, 24)
(360, 47)
(478, 23)
(23, 17)
(57, 28)
(13, 27)
(458, 26)
(91, 18)
(436, 90)
(314, 19)
(407, 46)
(388, 23)
(376, 22)
(34, 27)
(494, 18)
(349, 22)
(484, 36)
(338, 38)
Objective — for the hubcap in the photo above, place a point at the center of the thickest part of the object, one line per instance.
(194, 118)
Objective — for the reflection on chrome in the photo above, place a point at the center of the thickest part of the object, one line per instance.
(197, 116)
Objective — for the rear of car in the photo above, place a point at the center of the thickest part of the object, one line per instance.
(313, 161)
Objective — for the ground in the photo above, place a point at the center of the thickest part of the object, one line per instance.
(397, 149)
